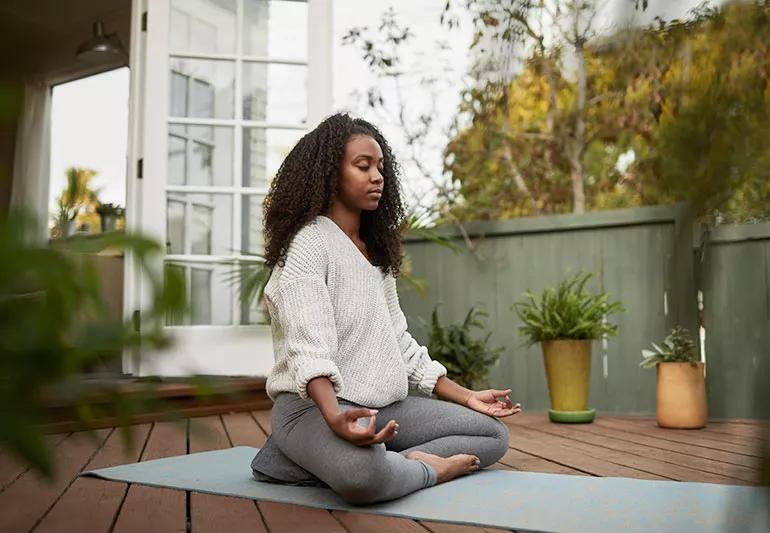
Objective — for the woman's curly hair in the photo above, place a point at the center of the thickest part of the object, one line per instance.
(306, 182)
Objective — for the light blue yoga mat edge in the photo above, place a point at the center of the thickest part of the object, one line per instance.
(524, 501)
(342, 506)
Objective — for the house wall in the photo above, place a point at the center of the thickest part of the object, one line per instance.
(643, 257)
(11, 95)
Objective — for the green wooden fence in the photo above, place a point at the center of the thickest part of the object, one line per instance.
(643, 257)
(733, 267)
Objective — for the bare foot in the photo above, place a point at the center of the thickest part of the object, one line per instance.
(448, 467)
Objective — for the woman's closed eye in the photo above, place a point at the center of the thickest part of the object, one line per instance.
(364, 169)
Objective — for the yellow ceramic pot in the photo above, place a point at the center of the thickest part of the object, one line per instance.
(568, 368)
(681, 395)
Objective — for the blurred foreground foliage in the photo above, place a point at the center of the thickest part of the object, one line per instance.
(55, 325)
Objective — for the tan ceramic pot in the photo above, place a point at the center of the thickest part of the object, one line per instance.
(567, 367)
(681, 395)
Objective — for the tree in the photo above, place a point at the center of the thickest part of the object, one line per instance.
(685, 103)
(712, 139)
(543, 29)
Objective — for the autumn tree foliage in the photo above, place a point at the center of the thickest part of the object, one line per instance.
(675, 112)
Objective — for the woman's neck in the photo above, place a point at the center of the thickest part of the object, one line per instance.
(349, 221)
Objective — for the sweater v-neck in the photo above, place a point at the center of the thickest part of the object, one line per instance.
(349, 240)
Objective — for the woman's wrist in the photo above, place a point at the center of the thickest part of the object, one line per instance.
(449, 390)
(321, 391)
(467, 397)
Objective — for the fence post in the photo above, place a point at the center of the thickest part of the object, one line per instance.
(682, 291)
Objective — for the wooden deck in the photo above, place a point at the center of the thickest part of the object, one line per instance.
(725, 452)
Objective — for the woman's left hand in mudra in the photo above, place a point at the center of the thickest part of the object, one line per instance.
(489, 402)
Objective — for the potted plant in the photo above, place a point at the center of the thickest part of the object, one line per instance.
(76, 197)
(467, 360)
(565, 320)
(64, 220)
(681, 385)
(109, 215)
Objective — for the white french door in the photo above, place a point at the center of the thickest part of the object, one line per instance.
(223, 90)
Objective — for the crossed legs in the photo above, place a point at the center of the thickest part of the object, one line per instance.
(380, 472)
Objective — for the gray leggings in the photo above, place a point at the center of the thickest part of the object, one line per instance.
(379, 472)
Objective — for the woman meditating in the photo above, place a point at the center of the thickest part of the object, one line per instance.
(344, 361)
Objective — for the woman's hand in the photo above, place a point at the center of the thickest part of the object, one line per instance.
(345, 424)
(485, 401)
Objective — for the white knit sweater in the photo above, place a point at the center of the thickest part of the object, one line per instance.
(335, 314)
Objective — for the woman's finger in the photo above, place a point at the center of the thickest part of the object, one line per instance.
(385, 434)
(358, 412)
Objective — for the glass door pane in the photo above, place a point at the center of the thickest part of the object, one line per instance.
(203, 26)
(275, 28)
(237, 104)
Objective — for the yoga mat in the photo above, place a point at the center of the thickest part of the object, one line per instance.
(496, 498)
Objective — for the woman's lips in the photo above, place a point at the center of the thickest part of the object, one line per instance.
(375, 193)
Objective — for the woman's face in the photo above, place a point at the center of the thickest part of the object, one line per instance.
(361, 174)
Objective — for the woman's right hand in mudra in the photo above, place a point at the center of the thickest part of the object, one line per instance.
(345, 424)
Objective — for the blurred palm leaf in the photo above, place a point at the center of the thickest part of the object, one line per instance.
(54, 324)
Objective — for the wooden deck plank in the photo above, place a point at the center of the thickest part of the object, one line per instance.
(558, 451)
(286, 517)
(209, 512)
(755, 436)
(371, 523)
(243, 430)
(751, 435)
(12, 467)
(690, 437)
(91, 504)
(444, 527)
(733, 428)
(668, 464)
(746, 422)
(26, 500)
(366, 523)
(525, 462)
(152, 509)
(264, 419)
(663, 444)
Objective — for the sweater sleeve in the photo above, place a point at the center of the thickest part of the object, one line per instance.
(422, 371)
(301, 300)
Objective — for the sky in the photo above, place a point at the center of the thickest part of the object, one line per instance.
(90, 129)
(90, 116)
